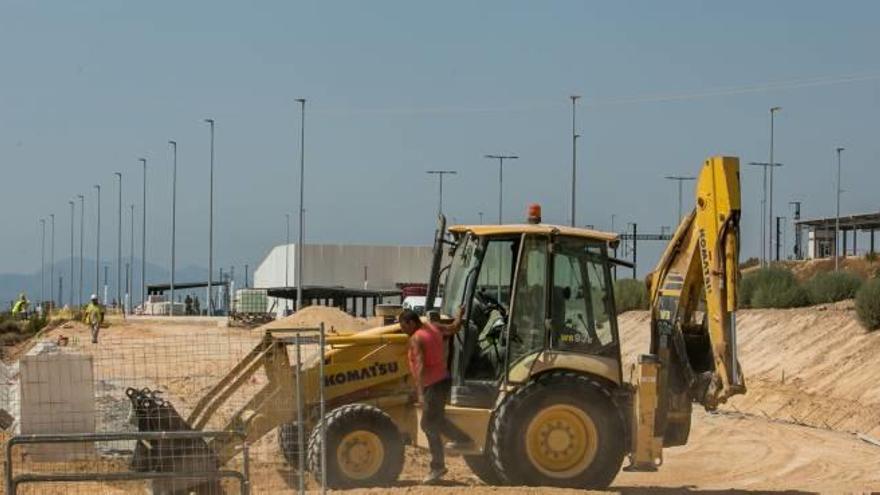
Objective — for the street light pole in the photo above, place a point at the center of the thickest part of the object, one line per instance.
(837, 217)
(501, 159)
(82, 212)
(302, 172)
(574, 137)
(287, 263)
(70, 283)
(119, 243)
(98, 243)
(680, 179)
(173, 220)
(131, 263)
(765, 223)
(144, 238)
(773, 111)
(210, 302)
(441, 173)
(52, 263)
(43, 262)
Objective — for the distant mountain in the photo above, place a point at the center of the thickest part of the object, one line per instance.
(12, 284)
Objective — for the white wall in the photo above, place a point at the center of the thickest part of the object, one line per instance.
(343, 265)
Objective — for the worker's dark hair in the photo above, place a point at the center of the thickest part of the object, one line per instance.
(409, 316)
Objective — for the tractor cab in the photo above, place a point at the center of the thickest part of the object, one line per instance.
(535, 297)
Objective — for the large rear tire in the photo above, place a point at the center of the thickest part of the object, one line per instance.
(364, 448)
(562, 429)
(483, 468)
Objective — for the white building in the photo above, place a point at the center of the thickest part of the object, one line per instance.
(343, 265)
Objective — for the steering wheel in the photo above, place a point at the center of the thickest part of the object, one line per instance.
(489, 303)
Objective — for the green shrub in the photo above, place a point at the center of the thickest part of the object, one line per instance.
(868, 304)
(870, 256)
(776, 284)
(630, 294)
(828, 287)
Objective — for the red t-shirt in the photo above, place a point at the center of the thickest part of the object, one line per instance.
(433, 355)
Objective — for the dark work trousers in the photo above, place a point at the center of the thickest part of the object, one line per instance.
(435, 424)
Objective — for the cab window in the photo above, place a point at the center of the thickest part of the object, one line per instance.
(580, 304)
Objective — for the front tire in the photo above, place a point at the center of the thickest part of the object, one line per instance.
(364, 448)
(562, 429)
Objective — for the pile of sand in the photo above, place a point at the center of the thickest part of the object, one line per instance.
(313, 316)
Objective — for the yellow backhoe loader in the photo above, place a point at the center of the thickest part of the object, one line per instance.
(538, 380)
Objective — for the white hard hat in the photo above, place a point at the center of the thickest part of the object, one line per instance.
(94, 297)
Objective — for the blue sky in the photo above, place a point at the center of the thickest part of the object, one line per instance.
(398, 88)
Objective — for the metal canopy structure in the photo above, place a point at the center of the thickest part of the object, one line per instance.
(337, 296)
(161, 288)
(864, 221)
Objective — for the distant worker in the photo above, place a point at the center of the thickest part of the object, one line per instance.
(188, 305)
(19, 309)
(196, 309)
(427, 362)
(94, 316)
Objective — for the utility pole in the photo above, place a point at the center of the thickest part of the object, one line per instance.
(480, 213)
(501, 159)
(679, 179)
(82, 212)
(119, 244)
(287, 263)
(778, 235)
(70, 280)
(98, 243)
(773, 111)
(574, 137)
(131, 262)
(440, 174)
(173, 220)
(43, 262)
(797, 229)
(765, 229)
(635, 247)
(144, 238)
(52, 263)
(302, 178)
(246, 284)
(210, 301)
(837, 217)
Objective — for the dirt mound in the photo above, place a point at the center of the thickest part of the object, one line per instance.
(312, 316)
(812, 366)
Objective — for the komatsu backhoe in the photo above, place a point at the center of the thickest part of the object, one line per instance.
(538, 380)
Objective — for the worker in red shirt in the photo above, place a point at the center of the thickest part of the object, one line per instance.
(427, 362)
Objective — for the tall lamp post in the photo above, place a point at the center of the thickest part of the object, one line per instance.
(119, 242)
(43, 262)
(837, 216)
(70, 283)
(287, 263)
(52, 262)
(766, 230)
(501, 159)
(210, 301)
(302, 175)
(82, 218)
(131, 262)
(144, 237)
(574, 137)
(680, 179)
(173, 219)
(98, 243)
(773, 111)
(440, 174)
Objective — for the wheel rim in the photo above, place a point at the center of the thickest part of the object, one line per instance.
(360, 454)
(561, 441)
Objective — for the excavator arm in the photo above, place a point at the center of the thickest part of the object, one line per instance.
(693, 293)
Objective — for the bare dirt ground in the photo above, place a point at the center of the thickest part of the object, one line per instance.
(795, 434)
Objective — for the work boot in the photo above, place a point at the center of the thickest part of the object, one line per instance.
(434, 476)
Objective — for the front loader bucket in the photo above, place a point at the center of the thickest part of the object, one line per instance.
(151, 413)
